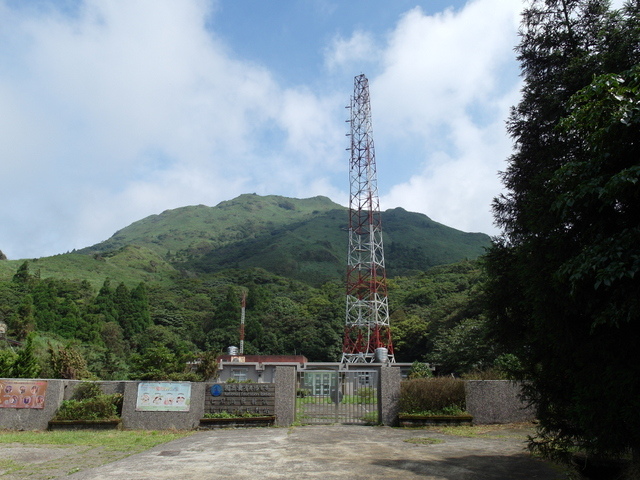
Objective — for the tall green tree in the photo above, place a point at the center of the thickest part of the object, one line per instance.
(564, 289)
(26, 364)
(23, 322)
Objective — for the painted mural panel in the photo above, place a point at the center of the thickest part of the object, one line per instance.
(163, 397)
(22, 393)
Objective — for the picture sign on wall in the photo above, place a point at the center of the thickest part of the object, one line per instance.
(22, 394)
(163, 397)
(239, 398)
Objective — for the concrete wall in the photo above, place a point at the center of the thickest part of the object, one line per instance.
(34, 418)
(134, 420)
(496, 401)
(488, 401)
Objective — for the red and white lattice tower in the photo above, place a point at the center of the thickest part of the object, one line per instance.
(367, 336)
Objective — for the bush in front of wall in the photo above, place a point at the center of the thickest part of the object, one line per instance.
(89, 403)
(432, 396)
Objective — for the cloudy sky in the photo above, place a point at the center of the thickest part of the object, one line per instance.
(113, 110)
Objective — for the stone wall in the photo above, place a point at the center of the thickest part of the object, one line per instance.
(488, 401)
(135, 420)
(496, 401)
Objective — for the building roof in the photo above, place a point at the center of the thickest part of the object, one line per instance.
(301, 359)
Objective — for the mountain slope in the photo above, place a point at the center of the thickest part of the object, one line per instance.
(304, 239)
(192, 231)
(131, 265)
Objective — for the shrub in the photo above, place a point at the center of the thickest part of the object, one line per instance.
(419, 370)
(102, 407)
(432, 396)
(87, 390)
(89, 403)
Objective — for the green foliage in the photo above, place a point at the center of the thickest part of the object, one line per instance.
(7, 359)
(86, 390)
(156, 363)
(102, 407)
(150, 286)
(419, 370)
(563, 283)
(207, 366)
(367, 395)
(89, 403)
(26, 364)
(302, 392)
(464, 348)
(68, 362)
(435, 395)
(297, 238)
(432, 309)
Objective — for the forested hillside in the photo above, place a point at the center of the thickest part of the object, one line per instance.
(167, 289)
(132, 332)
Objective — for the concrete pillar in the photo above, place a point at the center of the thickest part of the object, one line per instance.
(389, 394)
(285, 408)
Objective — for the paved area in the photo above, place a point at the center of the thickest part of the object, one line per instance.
(332, 452)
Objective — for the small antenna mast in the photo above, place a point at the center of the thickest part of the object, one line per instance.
(244, 306)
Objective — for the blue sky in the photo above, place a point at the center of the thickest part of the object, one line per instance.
(114, 110)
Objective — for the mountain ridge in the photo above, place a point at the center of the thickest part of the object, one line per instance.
(303, 239)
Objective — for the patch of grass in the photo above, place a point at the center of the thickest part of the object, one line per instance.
(424, 441)
(509, 430)
(116, 440)
(9, 466)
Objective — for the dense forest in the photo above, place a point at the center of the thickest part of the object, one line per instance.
(153, 329)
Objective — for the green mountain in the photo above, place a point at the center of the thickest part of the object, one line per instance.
(304, 239)
(130, 265)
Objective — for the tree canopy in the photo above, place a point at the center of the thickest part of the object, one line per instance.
(564, 290)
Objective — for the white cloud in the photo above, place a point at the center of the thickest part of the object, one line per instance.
(442, 100)
(124, 109)
(359, 47)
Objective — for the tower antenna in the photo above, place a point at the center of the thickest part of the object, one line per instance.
(244, 306)
(367, 335)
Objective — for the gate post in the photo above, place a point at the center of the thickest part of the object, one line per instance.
(285, 401)
(389, 380)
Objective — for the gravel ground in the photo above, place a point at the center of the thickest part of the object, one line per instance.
(327, 452)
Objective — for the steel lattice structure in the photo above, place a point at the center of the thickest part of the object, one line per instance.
(367, 331)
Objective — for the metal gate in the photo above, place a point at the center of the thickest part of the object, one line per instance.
(332, 396)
